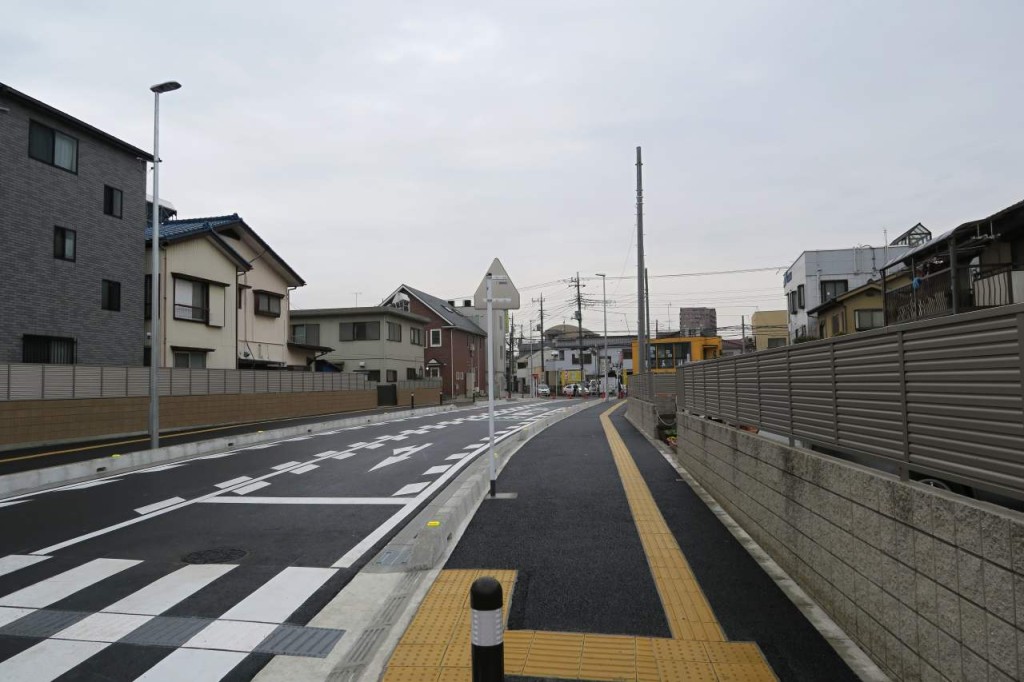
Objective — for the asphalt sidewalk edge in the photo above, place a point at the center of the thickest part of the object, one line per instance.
(376, 607)
(858, 661)
(27, 482)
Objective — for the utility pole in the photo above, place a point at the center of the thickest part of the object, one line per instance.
(743, 334)
(579, 319)
(647, 302)
(543, 374)
(640, 364)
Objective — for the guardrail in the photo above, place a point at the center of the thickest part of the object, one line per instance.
(942, 397)
(67, 382)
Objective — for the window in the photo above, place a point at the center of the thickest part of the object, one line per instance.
(268, 303)
(415, 336)
(792, 303)
(410, 374)
(830, 289)
(373, 375)
(53, 147)
(435, 338)
(776, 342)
(49, 350)
(65, 242)
(360, 331)
(111, 295)
(867, 319)
(112, 199)
(394, 331)
(800, 296)
(191, 300)
(190, 359)
(391, 375)
(434, 372)
(306, 333)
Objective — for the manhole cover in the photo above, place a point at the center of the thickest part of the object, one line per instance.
(217, 555)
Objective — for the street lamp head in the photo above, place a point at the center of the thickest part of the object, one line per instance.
(165, 87)
(599, 274)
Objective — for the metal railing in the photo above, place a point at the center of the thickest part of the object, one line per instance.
(649, 386)
(942, 398)
(67, 382)
(978, 286)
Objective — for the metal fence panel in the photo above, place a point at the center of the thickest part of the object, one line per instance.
(746, 389)
(58, 382)
(88, 382)
(137, 383)
(114, 382)
(773, 380)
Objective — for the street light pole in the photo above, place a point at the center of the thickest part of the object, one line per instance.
(155, 344)
(604, 300)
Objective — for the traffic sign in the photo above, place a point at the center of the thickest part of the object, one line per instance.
(504, 295)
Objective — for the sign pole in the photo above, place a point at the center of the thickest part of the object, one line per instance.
(490, 384)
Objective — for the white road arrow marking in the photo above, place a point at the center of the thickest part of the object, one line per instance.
(400, 455)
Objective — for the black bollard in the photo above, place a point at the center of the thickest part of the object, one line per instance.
(487, 631)
(412, 401)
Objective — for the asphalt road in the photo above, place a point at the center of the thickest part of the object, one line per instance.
(202, 569)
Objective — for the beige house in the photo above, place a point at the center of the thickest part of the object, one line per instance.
(383, 342)
(225, 298)
(770, 329)
(199, 274)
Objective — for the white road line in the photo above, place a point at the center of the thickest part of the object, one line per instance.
(159, 505)
(218, 455)
(103, 627)
(14, 562)
(162, 467)
(158, 596)
(251, 488)
(202, 665)
(373, 446)
(345, 455)
(293, 440)
(227, 635)
(306, 500)
(326, 453)
(46, 592)
(261, 446)
(87, 484)
(303, 469)
(279, 597)
(460, 455)
(48, 660)
(473, 446)
(11, 504)
(440, 469)
(412, 488)
(9, 614)
(233, 481)
(286, 465)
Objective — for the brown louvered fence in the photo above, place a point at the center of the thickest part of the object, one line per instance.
(942, 397)
(65, 382)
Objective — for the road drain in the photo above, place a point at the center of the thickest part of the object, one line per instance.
(217, 555)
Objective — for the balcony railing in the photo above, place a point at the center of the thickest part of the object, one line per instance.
(978, 286)
(191, 312)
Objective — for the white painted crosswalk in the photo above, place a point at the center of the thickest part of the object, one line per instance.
(209, 652)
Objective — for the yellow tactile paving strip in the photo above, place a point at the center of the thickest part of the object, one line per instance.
(436, 647)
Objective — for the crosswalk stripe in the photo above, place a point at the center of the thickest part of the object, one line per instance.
(164, 593)
(231, 635)
(278, 598)
(203, 665)
(14, 562)
(49, 591)
(233, 481)
(252, 487)
(48, 660)
(103, 627)
(304, 469)
(9, 614)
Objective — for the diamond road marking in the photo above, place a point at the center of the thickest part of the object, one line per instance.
(412, 488)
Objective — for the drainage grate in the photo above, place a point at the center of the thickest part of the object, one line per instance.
(391, 557)
(217, 555)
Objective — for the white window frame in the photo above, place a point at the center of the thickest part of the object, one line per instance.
(438, 342)
(873, 312)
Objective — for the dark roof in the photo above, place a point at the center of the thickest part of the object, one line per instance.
(71, 120)
(310, 346)
(173, 229)
(941, 242)
(444, 311)
(190, 232)
(917, 232)
(356, 312)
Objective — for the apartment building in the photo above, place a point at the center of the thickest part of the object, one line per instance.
(72, 212)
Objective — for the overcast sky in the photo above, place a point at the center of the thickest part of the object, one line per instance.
(373, 144)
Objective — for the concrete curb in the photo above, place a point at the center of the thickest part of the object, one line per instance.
(24, 482)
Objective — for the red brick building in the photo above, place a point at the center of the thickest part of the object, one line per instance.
(455, 348)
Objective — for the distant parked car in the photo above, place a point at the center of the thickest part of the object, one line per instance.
(567, 390)
(544, 390)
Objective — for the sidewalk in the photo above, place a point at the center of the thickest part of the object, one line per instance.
(612, 569)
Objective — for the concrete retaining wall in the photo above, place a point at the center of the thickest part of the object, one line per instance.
(930, 584)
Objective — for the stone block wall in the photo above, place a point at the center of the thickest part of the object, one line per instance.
(929, 583)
